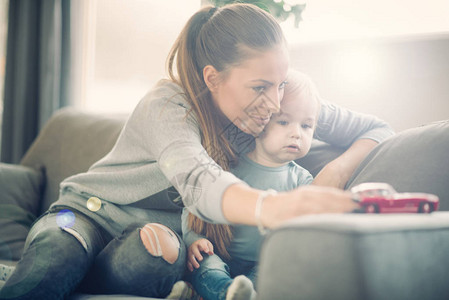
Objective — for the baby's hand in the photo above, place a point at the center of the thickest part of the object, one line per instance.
(194, 253)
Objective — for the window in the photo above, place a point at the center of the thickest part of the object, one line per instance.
(387, 58)
(3, 33)
(125, 44)
(325, 20)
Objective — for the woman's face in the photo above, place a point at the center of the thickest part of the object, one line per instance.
(249, 93)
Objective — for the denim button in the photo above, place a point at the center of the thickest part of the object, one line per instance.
(93, 203)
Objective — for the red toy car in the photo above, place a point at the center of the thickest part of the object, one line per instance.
(376, 197)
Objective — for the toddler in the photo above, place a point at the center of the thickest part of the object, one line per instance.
(271, 165)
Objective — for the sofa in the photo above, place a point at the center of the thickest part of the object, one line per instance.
(334, 256)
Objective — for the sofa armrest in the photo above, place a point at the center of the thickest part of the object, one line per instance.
(357, 256)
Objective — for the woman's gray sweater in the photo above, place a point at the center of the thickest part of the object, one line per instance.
(158, 160)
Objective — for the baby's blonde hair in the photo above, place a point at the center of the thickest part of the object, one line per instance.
(300, 85)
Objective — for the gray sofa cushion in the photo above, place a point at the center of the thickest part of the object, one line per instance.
(108, 297)
(320, 154)
(357, 256)
(69, 144)
(414, 160)
(20, 192)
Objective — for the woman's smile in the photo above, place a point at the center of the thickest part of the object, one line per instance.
(261, 120)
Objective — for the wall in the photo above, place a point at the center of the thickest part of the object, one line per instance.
(127, 49)
(403, 80)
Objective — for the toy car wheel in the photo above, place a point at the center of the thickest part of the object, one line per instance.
(425, 208)
(371, 209)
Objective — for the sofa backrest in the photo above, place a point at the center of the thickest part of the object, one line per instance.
(414, 160)
(70, 142)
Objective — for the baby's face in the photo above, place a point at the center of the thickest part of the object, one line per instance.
(289, 134)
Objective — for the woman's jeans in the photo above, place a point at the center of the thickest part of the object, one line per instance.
(66, 252)
(212, 279)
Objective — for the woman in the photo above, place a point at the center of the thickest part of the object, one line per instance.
(227, 76)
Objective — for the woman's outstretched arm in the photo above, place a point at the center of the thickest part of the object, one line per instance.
(239, 204)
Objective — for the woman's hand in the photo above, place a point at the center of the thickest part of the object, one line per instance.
(194, 253)
(239, 204)
(305, 200)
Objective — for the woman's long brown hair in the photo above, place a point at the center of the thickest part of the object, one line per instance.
(221, 37)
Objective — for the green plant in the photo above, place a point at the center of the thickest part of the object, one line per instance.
(280, 9)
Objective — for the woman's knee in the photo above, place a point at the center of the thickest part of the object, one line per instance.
(159, 240)
(51, 246)
(52, 253)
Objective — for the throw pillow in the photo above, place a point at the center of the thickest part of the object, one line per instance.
(20, 191)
